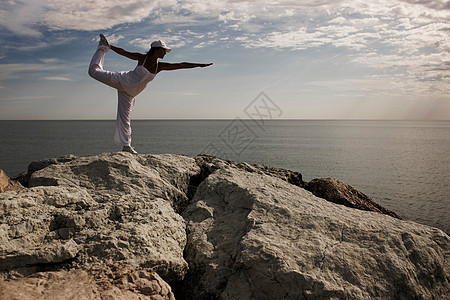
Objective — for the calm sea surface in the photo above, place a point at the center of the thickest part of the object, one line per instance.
(404, 166)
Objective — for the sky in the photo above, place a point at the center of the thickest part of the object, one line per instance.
(313, 59)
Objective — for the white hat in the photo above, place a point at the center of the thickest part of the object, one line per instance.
(160, 44)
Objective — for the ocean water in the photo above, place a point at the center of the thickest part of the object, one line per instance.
(402, 165)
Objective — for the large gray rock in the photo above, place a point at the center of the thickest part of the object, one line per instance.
(253, 236)
(111, 208)
(329, 189)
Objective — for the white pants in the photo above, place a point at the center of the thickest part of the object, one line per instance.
(123, 126)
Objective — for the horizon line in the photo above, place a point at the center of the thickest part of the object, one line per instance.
(244, 119)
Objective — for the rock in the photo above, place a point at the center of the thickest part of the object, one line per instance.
(6, 184)
(30, 221)
(341, 193)
(116, 208)
(245, 232)
(103, 282)
(329, 189)
(39, 165)
(253, 236)
(210, 163)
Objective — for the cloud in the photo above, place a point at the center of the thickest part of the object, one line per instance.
(22, 18)
(394, 37)
(14, 71)
(36, 44)
(27, 17)
(421, 74)
(95, 15)
(114, 38)
(57, 78)
(434, 4)
(33, 47)
(172, 41)
(50, 60)
(26, 99)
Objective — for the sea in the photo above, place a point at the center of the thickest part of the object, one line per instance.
(402, 165)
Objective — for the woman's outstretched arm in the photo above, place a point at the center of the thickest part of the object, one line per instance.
(123, 52)
(176, 66)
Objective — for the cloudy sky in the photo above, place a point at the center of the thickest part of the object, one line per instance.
(316, 59)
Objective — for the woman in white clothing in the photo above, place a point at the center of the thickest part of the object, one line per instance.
(130, 84)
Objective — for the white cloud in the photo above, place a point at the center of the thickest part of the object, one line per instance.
(14, 71)
(22, 17)
(95, 15)
(36, 44)
(114, 38)
(49, 60)
(33, 47)
(434, 4)
(172, 41)
(395, 37)
(297, 39)
(57, 78)
(421, 74)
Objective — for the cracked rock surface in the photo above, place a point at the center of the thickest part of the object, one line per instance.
(214, 229)
(110, 208)
(253, 236)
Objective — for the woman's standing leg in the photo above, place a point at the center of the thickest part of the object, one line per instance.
(123, 124)
(96, 69)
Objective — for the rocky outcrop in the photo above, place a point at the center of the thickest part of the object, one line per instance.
(209, 164)
(214, 229)
(329, 189)
(105, 282)
(111, 208)
(253, 236)
(339, 192)
(6, 184)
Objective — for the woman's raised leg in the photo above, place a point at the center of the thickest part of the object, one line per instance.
(96, 69)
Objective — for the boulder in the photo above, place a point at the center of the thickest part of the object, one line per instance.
(39, 165)
(210, 163)
(102, 282)
(329, 189)
(339, 192)
(6, 184)
(253, 236)
(111, 208)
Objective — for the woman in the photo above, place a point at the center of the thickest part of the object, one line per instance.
(130, 84)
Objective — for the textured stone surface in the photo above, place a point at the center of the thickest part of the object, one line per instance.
(329, 189)
(211, 163)
(252, 236)
(111, 208)
(6, 184)
(339, 192)
(246, 232)
(103, 282)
